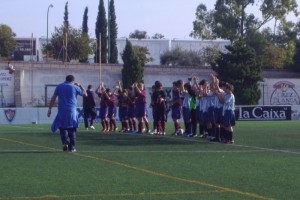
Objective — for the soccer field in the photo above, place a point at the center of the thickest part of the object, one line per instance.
(262, 164)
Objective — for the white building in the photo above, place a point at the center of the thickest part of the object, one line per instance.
(157, 47)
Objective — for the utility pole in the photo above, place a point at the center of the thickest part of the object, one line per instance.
(108, 31)
(50, 6)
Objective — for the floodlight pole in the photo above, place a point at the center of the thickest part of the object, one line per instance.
(108, 31)
(100, 65)
(50, 6)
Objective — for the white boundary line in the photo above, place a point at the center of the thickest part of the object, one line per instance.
(90, 151)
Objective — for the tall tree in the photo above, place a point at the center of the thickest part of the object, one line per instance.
(101, 28)
(66, 19)
(66, 27)
(113, 34)
(7, 41)
(134, 59)
(85, 28)
(85, 37)
(131, 65)
(141, 54)
(239, 67)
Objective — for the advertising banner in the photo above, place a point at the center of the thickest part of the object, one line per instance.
(264, 113)
(6, 88)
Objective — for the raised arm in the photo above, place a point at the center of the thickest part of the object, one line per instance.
(119, 85)
(82, 88)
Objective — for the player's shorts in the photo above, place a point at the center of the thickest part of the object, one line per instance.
(200, 115)
(154, 113)
(123, 113)
(218, 114)
(140, 110)
(209, 115)
(111, 112)
(186, 114)
(131, 111)
(229, 118)
(176, 112)
(103, 112)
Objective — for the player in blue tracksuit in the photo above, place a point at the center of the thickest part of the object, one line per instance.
(66, 119)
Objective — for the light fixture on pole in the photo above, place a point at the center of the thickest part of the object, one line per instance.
(50, 6)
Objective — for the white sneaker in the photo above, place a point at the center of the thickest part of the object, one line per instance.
(179, 132)
(86, 129)
(154, 132)
(92, 127)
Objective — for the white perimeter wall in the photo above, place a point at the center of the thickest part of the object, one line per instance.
(26, 87)
(28, 83)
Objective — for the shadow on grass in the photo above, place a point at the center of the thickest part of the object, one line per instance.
(28, 151)
(124, 139)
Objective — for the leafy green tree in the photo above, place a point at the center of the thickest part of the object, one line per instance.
(286, 38)
(258, 42)
(143, 54)
(131, 71)
(68, 43)
(239, 67)
(209, 55)
(101, 28)
(7, 41)
(281, 45)
(274, 57)
(232, 19)
(202, 26)
(296, 59)
(113, 49)
(180, 57)
(137, 34)
(268, 34)
(158, 36)
(77, 48)
(134, 59)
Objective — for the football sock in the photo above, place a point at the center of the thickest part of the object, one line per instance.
(130, 124)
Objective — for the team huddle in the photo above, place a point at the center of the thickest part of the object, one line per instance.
(208, 105)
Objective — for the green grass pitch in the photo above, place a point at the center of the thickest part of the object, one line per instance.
(262, 164)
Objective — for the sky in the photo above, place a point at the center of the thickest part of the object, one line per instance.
(172, 18)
